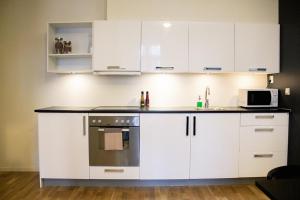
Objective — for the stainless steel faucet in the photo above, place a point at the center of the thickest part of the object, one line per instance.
(207, 92)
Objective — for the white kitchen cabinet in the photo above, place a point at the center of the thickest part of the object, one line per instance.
(117, 46)
(211, 47)
(165, 146)
(257, 48)
(164, 47)
(79, 60)
(263, 143)
(63, 145)
(215, 146)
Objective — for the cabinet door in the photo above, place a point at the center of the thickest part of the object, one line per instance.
(63, 145)
(211, 47)
(215, 146)
(117, 46)
(165, 146)
(164, 47)
(257, 48)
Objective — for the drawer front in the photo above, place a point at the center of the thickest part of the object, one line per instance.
(254, 164)
(261, 119)
(264, 138)
(114, 173)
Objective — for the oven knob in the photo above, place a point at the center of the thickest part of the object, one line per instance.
(116, 121)
(93, 121)
(127, 121)
(99, 121)
(122, 121)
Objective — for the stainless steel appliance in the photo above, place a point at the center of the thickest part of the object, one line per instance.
(114, 140)
(258, 98)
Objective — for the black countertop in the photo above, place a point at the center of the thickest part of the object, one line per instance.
(132, 109)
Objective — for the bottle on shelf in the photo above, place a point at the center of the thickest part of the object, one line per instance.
(147, 100)
(199, 102)
(142, 102)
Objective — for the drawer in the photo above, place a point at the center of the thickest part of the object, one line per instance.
(260, 119)
(254, 164)
(264, 138)
(114, 172)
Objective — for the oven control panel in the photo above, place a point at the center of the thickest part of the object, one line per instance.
(114, 121)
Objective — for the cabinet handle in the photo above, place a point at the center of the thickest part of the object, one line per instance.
(114, 170)
(123, 130)
(212, 68)
(259, 69)
(187, 125)
(194, 125)
(263, 155)
(84, 126)
(115, 67)
(264, 117)
(264, 129)
(164, 68)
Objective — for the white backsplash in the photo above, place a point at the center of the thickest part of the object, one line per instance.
(164, 89)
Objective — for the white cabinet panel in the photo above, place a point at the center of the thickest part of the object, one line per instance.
(215, 146)
(264, 138)
(63, 145)
(164, 46)
(114, 172)
(117, 46)
(264, 119)
(258, 164)
(211, 47)
(165, 147)
(257, 48)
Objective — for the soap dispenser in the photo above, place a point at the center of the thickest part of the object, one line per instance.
(199, 102)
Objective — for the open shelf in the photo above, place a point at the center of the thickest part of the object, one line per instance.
(80, 59)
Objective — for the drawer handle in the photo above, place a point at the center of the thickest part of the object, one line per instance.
(114, 170)
(115, 67)
(212, 68)
(123, 130)
(263, 155)
(264, 129)
(264, 117)
(164, 68)
(259, 69)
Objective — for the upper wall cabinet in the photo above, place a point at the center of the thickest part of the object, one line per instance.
(164, 47)
(117, 46)
(62, 59)
(211, 47)
(257, 48)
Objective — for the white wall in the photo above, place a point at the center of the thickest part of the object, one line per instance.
(261, 11)
(25, 85)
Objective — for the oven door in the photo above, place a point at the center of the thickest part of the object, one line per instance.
(114, 146)
(259, 98)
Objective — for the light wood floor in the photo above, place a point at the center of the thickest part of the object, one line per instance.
(25, 185)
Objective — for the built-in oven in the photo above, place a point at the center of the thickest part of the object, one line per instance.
(114, 140)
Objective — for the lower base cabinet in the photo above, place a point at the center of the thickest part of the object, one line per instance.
(215, 146)
(172, 146)
(184, 146)
(165, 146)
(63, 145)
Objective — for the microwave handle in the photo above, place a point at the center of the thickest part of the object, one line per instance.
(123, 130)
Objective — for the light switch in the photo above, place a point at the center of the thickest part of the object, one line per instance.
(287, 91)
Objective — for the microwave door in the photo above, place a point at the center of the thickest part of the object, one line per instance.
(259, 98)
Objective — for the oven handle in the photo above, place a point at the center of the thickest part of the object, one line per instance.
(123, 130)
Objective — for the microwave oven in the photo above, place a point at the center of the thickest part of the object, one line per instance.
(258, 98)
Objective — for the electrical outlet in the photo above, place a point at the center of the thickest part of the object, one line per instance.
(287, 91)
(271, 79)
